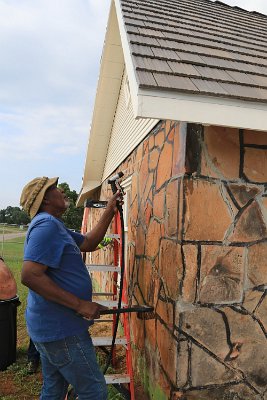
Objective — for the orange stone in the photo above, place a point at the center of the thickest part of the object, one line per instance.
(145, 281)
(148, 212)
(251, 299)
(152, 238)
(171, 267)
(170, 130)
(159, 204)
(168, 127)
(182, 364)
(222, 274)
(140, 240)
(190, 273)
(146, 146)
(150, 333)
(255, 137)
(151, 142)
(139, 155)
(261, 312)
(153, 159)
(172, 208)
(163, 383)
(243, 193)
(250, 225)
(165, 311)
(178, 162)
(148, 188)
(221, 153)
(143, 174)
(207, 216)
(256, 267)
(164, 169)
(206, 370)
(137, 331)
(255, 165)
(181, 188)
(133, 211)
(159, 138)
(167, 348)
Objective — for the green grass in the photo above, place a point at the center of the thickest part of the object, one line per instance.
(15, 378)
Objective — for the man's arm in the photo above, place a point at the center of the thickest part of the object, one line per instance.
(94, 237)
(8, 286)
(34, 277)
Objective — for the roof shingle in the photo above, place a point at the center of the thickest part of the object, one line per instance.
(198, 46)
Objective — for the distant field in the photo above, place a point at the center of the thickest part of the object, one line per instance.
(4, 229)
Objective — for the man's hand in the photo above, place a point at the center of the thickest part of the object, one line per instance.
(116, 199)
(89, 309)
(94, 237)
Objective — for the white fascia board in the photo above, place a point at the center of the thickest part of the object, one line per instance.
(204, 110)
(128, 59)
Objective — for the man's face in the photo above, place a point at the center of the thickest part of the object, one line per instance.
(57, 198)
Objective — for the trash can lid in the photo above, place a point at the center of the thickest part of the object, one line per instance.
(13, 299)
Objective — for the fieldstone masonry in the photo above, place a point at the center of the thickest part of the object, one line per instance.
(197, 251)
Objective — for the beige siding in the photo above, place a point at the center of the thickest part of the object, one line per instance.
(127, 132)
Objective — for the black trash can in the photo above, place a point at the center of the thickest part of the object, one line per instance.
(8, 331)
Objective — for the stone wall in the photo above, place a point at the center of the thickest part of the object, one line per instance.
(197, 252)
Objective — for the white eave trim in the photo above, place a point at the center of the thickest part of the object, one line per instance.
(204, 110)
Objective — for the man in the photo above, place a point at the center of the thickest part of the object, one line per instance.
(61, 292)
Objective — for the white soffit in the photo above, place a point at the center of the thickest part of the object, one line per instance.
(109, 82)
(90, 188)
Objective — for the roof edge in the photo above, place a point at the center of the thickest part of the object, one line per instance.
(206, 110)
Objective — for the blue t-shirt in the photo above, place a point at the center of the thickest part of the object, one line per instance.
(50, 243)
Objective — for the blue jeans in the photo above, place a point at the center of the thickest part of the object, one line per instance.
(71, 361)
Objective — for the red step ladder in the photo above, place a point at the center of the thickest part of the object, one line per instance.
(123, 381)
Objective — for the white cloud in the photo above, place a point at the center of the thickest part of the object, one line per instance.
(50, 56)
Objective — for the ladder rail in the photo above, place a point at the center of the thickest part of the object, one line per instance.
(119, 297)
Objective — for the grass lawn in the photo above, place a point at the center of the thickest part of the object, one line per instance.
(15, 384)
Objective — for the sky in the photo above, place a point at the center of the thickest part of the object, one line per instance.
(49, 65)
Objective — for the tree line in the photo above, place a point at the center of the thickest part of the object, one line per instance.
(72, 217)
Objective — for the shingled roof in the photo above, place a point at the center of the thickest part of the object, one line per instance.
(196, 61)
(198, 47)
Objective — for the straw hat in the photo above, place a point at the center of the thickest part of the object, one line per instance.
(33, 193)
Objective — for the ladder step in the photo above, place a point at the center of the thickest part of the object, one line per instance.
(117, 378)
(107, 341)
(103, 320)
(102, 294)
(110, 303)
(113, 236)
(103, 268)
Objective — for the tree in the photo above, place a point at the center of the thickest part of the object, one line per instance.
(14, 215)
(73, 217)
